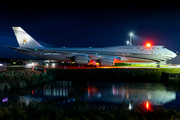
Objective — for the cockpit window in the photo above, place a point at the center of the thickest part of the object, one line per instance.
(163, 47)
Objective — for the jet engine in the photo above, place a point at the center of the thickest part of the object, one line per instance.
(106, 61)
(81, 59)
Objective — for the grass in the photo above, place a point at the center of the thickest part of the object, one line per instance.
(138, 65)
(25, 77)
(83, 110)
(170, 70)
(113, 74)
(166, 70)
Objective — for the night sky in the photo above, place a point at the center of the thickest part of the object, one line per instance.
(90, 25)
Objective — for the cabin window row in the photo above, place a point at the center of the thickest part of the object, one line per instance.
(139, 48)
(138, 54)
(100, 53)
(52, 54)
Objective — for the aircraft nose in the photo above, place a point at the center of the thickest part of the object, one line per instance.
(174, 54)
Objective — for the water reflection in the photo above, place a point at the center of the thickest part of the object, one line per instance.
(58, 88)
(104, 92)
(116, 93)
(155, 93)
(63, 91)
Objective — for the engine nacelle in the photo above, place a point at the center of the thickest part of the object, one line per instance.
(106, 61)
(82, 59)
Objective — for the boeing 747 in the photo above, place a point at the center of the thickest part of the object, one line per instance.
(104, 56)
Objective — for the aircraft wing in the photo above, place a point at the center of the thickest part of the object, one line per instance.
(43, 50)
(47, 51)
(12, 47)
(65, 52)
(17, 48)
(91, 56)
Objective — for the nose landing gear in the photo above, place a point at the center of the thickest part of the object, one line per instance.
(158, 66)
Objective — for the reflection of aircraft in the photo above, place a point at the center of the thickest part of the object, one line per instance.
(136, 92)
(106, 92)
(154, 94)
(105, 56)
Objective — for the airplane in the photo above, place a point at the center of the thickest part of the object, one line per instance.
(105, 56)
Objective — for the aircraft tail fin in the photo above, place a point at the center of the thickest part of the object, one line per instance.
(24, 39)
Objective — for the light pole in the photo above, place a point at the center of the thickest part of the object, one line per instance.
(131, 34)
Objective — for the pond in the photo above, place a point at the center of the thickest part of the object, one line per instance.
(98, 93)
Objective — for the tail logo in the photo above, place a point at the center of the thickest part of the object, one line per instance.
(24, 41)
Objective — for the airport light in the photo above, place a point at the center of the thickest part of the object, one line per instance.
(127, 43)
(131, 34)
(53, 64)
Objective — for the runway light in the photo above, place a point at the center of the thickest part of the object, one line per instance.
(131, 34)
(148, 45)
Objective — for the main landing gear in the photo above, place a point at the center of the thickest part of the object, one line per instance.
(158, 66)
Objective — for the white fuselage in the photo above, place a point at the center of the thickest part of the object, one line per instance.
(122, 53)
(105, 56)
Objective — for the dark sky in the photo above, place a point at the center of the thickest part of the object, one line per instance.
(90, 25)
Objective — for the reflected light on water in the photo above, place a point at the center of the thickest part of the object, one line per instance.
(130, 106)
(154, 93)
(5, 99)
(147, 105)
